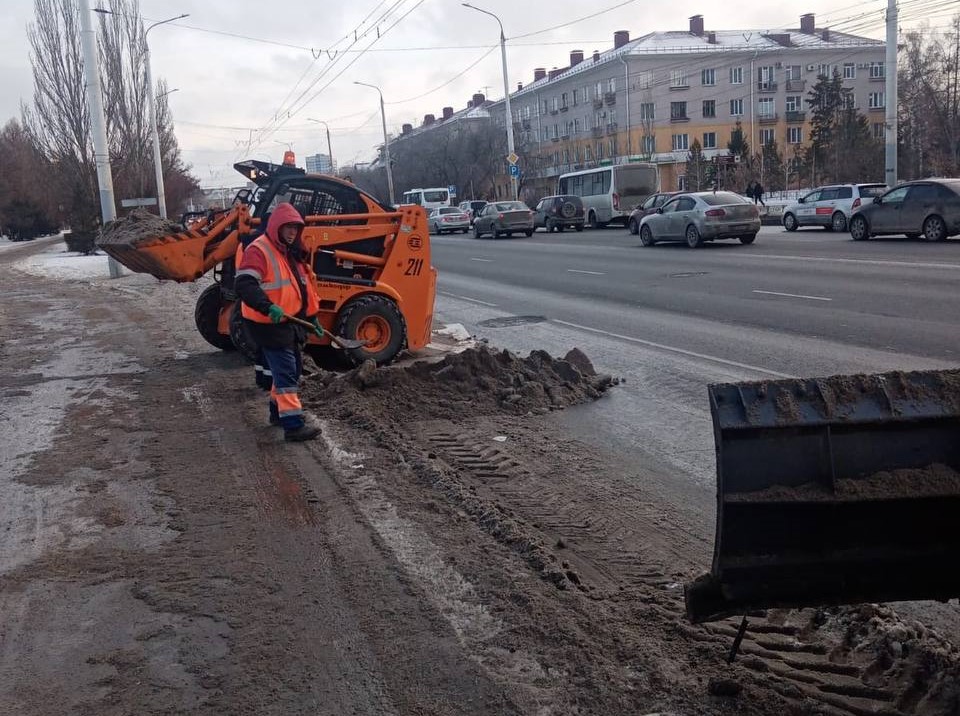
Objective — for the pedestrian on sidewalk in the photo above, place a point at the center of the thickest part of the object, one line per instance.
(748, 192)
(758, 193)
(273, 281)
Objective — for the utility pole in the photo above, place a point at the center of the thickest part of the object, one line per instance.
(890, 123)
(386, 140)
(98, 125)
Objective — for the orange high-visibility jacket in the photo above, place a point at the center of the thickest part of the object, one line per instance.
(280, 285)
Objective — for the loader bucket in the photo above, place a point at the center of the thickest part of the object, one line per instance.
(836, 490)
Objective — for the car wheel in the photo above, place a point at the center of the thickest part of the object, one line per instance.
(579, 227)
(633, 226)
(476, 231)
(838, 222)
(528, 232)
(859, 231)
(594, 224)
(548, 225)
(646, 237)
(790, 222)
(495, 232)
(509, 234)
(748, 239)
(560, 228)
(934, 228)
(694, 240)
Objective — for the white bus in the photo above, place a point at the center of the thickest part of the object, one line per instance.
(609, 194)
(429, 199)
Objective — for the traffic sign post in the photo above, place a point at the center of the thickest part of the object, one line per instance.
(512, 158)
(452, 190)
(514, 170)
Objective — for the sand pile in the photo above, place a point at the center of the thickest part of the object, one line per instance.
(137, 225)
(477, 381)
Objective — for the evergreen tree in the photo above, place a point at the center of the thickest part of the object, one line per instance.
(772, 163)
(696, 168)
(738, 145)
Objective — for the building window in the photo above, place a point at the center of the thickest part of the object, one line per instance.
(644, 80)
(612, 117)
(679, 142)
(736, 76)
(736, 107)
(793, 72)
(543, 107)
(563, 100)
(678, 78)
(612, 147)
(848, 100)
(649, 144)
(876, 71)
(598, 118)
(875, 100)
(767, 78)
(682, 183)
(556, 131)
(849, 71)
(599, 151)
(575, 97)
(576, 126)
(587, 153)
(708, 78)
(795, 135)
(709, 140)
(599, 90)
(794, 103)
(823, 70)
(678, 110)
(766, 107)
(556, 104)
(612, 84)
(878, 131)
(646, 110)
(767, 137)
(709, 108)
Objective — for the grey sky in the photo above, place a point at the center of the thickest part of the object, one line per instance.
(228, 82)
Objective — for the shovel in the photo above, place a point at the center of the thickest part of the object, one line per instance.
(338, 342)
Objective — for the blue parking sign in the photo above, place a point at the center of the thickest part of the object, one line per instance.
(452, 190)
(514, 170)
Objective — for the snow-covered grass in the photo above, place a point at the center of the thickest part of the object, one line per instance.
(57, 262)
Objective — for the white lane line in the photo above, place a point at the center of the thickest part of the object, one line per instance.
(467, 298)
(486, 261)
(674, 349)
(868, 262)
(592, 273)
(792, 295)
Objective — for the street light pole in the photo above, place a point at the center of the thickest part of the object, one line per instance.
(98, 125)
(386, 140)
(329, 149)
(514, 184)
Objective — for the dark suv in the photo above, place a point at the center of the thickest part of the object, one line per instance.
(556, 213)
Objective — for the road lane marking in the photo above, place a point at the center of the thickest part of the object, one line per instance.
(592, 273)
(467, 298)
(674, 349)
(486, 261)
(793, 295)
(869, 262)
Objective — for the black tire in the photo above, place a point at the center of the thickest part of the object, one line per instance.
(859, 229)
(560, 228)
(549, 225)
(692, 234)
(568, 210)
(368, 316)
(790, 222)
(934, 228)
(838, 222)
(466, 231)
(579, 227)
(748, 239)
(646, 237)
(476, 231)
(592, 219)
(509, 234)
(207, 317)
(528, 232)
(633, 227)
(495, 232)
(240, 336)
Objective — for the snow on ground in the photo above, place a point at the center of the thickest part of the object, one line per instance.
(57, 262)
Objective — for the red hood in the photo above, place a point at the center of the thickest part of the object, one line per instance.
(282, 214)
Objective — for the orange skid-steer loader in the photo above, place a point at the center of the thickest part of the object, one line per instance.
(371, 263)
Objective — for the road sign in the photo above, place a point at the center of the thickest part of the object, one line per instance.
(512, 157)
(146, 201)
(514, 170)
(452, 190)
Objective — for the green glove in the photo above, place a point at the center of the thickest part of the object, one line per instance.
(317, 328)
(275, 313)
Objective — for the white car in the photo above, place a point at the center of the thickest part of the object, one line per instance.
(830, 206)
(448, 218)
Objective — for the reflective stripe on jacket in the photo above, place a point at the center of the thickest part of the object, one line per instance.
(281, 286)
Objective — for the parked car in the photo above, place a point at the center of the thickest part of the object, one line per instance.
(830, 206)
(504, 217)
(650, 206)
(928, 207)
(556, 213)
(702, 216)
(472, 208)
(448, 218)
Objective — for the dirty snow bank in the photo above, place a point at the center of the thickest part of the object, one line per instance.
(58, 263)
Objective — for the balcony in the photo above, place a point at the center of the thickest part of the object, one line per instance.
(554, 139)
(565, 136)
(768, 118)
(881, 108)
(610, 98)
(766, 87)
(598, 103)
(796, 85)
(553, 111)
(612, 128)
(796, 116)
(597, 131)
(564, 108)
(679, 118)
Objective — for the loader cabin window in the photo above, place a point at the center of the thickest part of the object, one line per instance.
(312, 196)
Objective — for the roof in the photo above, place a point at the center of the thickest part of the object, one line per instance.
(677, 42)
(477, 112)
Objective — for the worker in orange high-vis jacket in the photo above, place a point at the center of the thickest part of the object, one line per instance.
(274, 281)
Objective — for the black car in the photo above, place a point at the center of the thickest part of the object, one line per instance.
(556, 213)
(650, 206)
(930, 207)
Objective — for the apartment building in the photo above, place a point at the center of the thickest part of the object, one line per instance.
(320, 164)
(648, 99)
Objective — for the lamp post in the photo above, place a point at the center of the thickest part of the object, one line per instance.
(329, 149)
(152, 108)
(386, 139)
(506, 92)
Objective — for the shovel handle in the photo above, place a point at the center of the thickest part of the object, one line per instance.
(338, 342)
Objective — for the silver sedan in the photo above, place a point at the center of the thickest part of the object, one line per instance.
(448, 218)
(702, 216)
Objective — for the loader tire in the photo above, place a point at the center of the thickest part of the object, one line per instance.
(375, 319)
(240, 336)
(207, 317)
